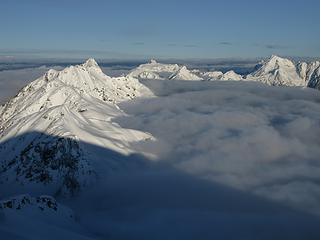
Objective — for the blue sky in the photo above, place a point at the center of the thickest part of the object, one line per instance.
(162, 29)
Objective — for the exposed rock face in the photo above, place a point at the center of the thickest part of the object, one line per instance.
(49, 161)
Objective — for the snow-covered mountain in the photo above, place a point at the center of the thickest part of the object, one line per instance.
(284, 72)
(41, 127)
(277, 71)
(162, 71)
(184, 74)
(215, 75)
(154, 70)
(218, 75)
(310, 73)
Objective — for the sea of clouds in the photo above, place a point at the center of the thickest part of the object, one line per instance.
(255, 138)
(232, 160)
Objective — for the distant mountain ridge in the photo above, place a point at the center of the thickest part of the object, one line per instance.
(276, 71)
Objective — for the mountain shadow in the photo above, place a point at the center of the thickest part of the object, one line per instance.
(131, 197)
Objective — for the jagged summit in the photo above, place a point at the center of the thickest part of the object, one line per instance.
(231, 75)
(276, 57)
(184, 74)
(218, 75)
(91, 62)
(277, 71)
(276, 62)
(91, 65)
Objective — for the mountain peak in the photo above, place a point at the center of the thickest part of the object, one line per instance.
(276, 62)
(91, 62)
(153, 61)
(275, 57)
(184, 74)
(277, 71)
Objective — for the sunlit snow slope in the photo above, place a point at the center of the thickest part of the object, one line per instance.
(62, 109)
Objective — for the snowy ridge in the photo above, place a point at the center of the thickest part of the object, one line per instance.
(276, 71)
(184, 74)
(50, 116)
(217, 75)
(154, 70)
(42, 217)
(67, 87)
(231, 75)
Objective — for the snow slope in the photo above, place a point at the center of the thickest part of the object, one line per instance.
(277, 71)
(52, 115)
(231, 75)
(310, 73)
(26, 217)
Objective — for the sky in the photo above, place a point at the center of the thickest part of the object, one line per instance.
(126, 29)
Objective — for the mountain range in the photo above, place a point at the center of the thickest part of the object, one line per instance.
(58, 135)
(274, 71)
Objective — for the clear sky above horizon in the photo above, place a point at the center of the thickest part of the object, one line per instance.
(162, 29)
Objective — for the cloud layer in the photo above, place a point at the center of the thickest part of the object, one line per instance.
(264, 140)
